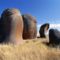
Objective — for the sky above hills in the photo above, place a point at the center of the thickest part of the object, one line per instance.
(43, 10)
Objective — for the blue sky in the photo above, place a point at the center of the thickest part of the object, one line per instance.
(43, 10)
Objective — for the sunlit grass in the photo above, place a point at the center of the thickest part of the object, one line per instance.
(30, 50)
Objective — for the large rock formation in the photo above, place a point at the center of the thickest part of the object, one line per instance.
(11, 26)
(30, 27)
(54, 37)
(42, 30)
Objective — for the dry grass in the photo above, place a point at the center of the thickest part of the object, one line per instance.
(30, 50)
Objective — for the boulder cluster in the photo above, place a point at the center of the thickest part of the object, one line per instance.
(14, 27)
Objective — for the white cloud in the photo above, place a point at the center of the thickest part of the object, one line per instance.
(54, 25)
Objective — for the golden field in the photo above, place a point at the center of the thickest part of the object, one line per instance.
(30, 50)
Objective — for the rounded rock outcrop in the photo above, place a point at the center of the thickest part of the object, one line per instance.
(42, 30)
(11, 26)
(30, 27)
